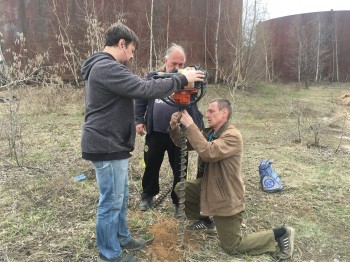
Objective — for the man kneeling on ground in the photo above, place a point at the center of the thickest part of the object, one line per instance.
(219, 191)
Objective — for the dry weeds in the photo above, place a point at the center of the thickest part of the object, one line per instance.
(47, 216)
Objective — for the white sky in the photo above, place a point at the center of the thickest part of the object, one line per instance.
(278, 8)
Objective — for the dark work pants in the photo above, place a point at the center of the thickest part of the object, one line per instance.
(156, 145)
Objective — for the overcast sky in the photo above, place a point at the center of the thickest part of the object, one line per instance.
(278, 8)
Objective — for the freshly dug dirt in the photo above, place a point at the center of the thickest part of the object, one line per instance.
(164, 247)
(345, 99)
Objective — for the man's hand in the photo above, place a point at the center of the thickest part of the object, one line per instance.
(140, 129)
(175, 119)
(189, 86)
(193, 76)
(186, 119)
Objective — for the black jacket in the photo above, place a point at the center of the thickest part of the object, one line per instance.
(144, 112)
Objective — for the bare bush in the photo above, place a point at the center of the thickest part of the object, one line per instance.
(15, 73)
(11, 129)
(21, 70)
(296, 111)
(243, 49)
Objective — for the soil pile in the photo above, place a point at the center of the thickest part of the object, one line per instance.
(164, 247)
(345, 99)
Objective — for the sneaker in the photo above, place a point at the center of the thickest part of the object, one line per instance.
(286, 243)
(122, 258)
(145, 203)
(201, 225)
(135, 244)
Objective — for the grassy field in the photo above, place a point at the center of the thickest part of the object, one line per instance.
(45, 215)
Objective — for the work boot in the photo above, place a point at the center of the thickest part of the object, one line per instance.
(122, 258)
(286, 244)
(145, 203)
(134, 244)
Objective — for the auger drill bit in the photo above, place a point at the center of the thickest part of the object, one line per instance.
(181, 193)
(162, 196)
(182, 98)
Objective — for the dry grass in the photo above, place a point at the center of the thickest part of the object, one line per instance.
(47, 216)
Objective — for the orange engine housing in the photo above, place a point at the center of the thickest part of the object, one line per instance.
(183, 97)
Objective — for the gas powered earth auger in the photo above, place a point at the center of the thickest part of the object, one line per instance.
(182, 99)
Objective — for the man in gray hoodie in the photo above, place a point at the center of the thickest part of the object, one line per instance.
(108, 134)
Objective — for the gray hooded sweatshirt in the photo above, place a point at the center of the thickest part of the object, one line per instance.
(110, 89)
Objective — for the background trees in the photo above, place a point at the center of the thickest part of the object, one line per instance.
(308, 48)
(230, 39)
(72, 30)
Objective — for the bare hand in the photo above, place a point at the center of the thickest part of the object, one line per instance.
(189, 86)
(140, 129)
(175, 119)
(193, 75)
(186, 119)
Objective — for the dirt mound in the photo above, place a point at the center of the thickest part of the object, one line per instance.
(345, 99)
(164, 247)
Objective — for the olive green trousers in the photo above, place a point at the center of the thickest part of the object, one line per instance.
(228, 227)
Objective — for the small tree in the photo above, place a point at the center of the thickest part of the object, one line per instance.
(244, 51)
(217, 42)
(17, 72)
(65, 40)
(309, 50)
(296, 111)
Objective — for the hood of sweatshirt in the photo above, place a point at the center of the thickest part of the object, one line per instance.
(88, 64)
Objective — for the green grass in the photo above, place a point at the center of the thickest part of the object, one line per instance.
(45, 215)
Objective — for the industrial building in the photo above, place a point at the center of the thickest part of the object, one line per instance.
(61, 26)
(310, 47)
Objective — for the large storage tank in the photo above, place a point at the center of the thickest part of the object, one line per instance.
(191, 23)
(320, 40)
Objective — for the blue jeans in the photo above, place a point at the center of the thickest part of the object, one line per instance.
(111, 228)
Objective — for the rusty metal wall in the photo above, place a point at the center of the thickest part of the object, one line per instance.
(27, 17)
(191, 23)
(282, 42)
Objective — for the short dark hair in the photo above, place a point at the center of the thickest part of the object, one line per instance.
(119, 31)
(223, 103)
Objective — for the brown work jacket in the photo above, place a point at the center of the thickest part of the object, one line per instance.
(222, 189)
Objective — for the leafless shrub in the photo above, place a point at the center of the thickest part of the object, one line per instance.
(75, 45)
(296, 111)
(17, 72)
(11, 129)
(22, 70)
(243, 49)
(64, 38)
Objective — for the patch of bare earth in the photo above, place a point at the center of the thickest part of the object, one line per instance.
(164, 247)
(345, 99)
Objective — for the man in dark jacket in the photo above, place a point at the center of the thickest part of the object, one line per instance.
(220, 192)
(153, 117)
(108, 134)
